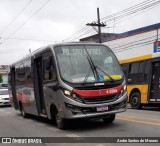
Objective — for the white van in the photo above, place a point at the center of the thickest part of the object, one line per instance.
(4, 97)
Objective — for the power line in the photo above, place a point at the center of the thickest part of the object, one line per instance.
(124, 45)
(134, 44)
(130, 11)
(77, 33)
(26, 21)
(15, 17)
(83, 34)
(142, 44)
(119, 21)
(138, 11)
(144, 6)
(22, 39)
(126, 10)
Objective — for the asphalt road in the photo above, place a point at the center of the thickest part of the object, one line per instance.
(132, 123)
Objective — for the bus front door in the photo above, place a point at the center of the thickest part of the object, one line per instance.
(155, 82)
(13, 88)
(38, 85)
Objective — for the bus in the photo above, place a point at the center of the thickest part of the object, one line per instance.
(143, 80)
(69, 81)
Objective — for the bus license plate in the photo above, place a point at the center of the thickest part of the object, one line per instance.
(103, 108)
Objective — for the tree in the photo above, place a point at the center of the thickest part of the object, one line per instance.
(1, 78)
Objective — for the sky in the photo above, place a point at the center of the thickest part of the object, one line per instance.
(58, 20)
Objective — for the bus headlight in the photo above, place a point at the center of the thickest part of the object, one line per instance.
(122, 91)
(72, 95)
(67, 92)
(124, 87)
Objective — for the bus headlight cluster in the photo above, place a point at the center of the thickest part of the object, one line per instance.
(72, 96)
(122, 91)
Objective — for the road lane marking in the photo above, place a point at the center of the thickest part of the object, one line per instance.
(72, 135)
(142, 122)
(137, 117)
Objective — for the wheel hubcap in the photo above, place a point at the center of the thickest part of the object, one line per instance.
(135, 100)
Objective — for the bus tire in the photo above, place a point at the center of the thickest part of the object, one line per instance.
(135, 100)
(60, 122)
(109, 119)
(23, 113)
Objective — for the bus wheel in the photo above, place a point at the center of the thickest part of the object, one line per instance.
(23, 113)
(60, 122)
(135, 100)
(109, 119)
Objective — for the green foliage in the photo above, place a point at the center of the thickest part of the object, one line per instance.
(1, 78)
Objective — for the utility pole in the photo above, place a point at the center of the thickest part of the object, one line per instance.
(30, 51)
(99, 24)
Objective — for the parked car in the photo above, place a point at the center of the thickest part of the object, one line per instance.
(4, 97)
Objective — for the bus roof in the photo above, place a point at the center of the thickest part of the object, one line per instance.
(132, 32)
(140, 58)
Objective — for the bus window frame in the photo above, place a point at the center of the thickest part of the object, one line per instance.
(130, 76)
(52, 62)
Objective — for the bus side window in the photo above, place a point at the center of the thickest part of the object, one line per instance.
(147, 71)
(136, 72)
(49, 72)
(125, 69)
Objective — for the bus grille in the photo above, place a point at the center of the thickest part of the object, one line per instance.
(98, 100)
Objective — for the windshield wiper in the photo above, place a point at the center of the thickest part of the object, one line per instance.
(94, 70)
(91, 68)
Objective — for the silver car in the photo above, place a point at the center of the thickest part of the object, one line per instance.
(4, 97)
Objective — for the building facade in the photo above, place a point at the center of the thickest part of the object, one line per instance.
(136, 42)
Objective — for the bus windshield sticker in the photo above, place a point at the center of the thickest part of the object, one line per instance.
(115, 77)
(101, 78)
(77, 80)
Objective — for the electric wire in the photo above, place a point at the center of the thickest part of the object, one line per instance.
(78, 32)
(22, 39)
(27, 20)
(142, 44)
(126, 10)
(124, 45)
(119, 21)
(2, 32)
(118, 16)
(135, 44)
(144, 6)
(143, 9)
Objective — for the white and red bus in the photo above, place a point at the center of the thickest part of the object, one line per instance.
(69, 81)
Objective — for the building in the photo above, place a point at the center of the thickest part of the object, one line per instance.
(136, 42)
(95, 38)
(132, 43)
(4, 73)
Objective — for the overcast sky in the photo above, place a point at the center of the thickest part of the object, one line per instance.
(57, 20)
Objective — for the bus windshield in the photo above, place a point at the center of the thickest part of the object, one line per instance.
(87, 63)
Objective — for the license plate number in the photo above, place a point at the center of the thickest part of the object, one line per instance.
(104, 108)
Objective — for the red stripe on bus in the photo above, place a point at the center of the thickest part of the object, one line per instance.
(99, 92)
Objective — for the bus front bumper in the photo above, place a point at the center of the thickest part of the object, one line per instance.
(75, 111)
